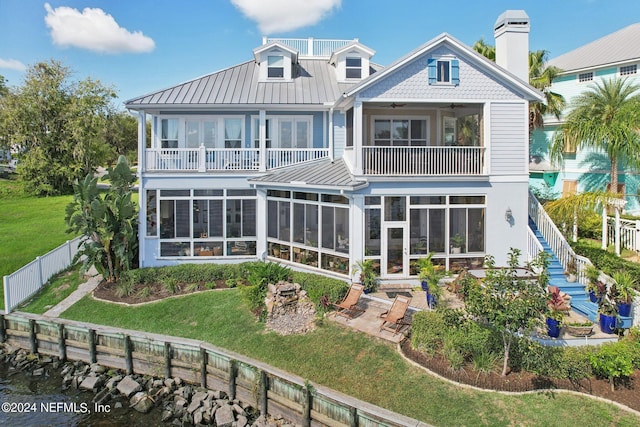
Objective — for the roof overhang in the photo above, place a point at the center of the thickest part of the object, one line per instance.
(355, 45)
(266, 47)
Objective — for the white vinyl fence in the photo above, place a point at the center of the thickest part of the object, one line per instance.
(629, 233)
(21, 284)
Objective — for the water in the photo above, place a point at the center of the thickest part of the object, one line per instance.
(40, 401)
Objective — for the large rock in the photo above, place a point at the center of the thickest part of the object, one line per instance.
(224, 416)
(141, 402)
(128, 386)
(92, 382)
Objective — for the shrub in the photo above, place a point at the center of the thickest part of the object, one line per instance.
(608, 262)
(427, 331)
(576, 363)
(612, 361)
(124, 288)
(318, 287)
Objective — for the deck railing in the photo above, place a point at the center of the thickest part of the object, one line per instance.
(629, 233)
(311, 46)
(559, 245)
(280, 157)
(427, 161)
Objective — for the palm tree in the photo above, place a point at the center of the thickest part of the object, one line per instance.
(606, 117)
(541, 76)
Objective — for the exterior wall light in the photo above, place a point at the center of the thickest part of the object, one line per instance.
(508, 215)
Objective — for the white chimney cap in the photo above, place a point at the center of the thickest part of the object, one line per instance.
(511, 17)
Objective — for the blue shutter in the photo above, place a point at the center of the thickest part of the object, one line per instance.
(431, 64)
(455, 72)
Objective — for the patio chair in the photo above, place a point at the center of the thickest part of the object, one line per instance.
(394, 318)
(349, 305)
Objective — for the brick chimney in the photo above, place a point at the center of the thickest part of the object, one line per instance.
(511, 32)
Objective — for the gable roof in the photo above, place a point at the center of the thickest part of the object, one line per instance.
(527, 91)
(265, 47)
(353, 45)
(320, 174)
(315, 83)
(620, 46)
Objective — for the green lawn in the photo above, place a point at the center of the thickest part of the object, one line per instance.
(60, 287)
(350, 362)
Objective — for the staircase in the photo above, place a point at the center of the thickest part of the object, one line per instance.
(580, 302)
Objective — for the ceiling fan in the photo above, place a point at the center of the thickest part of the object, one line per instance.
(394, 105)
(452, 106)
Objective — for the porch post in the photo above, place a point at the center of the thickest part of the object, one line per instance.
(356, 228)
(142, 142)
(142, 199)
(330, 135)
(263, 140)
(261, 223)
(605, 227)
(357, 137)
(617, 230)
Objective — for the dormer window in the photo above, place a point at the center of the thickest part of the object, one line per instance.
(444, 71)
(275, 66)
(354, 68)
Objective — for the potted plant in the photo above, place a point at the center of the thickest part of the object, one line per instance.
(430, 275)
(595, 287)
(608, 314)
(555, 312)
(456, 243)
(367, 274)
(622, 292)
(571, 271)
(579, 329)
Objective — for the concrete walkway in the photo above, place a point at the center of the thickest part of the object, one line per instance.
(76, 295)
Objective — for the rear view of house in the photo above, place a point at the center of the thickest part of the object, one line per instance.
(311, 154)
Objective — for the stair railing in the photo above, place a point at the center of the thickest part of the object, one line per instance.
(559, 245)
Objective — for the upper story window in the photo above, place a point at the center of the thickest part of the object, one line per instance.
(585, 77)
(285, 132)
(400, 132)
(628, 69)
(169, 133)
(444, 70)
(275, 66)
(233, 133)
(353, 68)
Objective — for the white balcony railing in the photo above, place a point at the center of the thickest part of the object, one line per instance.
(227, 159)
(427, 161)
(280, 157)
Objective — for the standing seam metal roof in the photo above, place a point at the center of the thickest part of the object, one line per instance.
(315, 83)
(321, 173)
(622, 45)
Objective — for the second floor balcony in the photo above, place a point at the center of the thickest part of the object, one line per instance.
(423, 161)
(228, 159)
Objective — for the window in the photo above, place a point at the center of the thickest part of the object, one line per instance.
(199, 132)
(169, 133)
(285, 132)
(152, 213)
(569, 187)
(399, 132)
(232, 133)
(354, 68)
(256, 133)
(628, 69)
(275, 66)
(585, 77)
(443, 71)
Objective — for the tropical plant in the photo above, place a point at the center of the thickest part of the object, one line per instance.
(574, 209)
(606, 117)
(367, 274)
(457, 241)
(623, 289)
(555, 304)
(431, 273)
(511, 304)
(607, 307)
(108, 224)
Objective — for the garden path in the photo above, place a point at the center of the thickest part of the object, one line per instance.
(83, 289)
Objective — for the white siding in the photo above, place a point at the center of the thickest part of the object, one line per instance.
(509, 133)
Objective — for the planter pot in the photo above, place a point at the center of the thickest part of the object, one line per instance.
(431, 301)
(553, 327)
(367, 291)
(455, 250)
(593, 297)
(607, 323)
(425, 286)
(579, 331)
(571, 278)
(624, 309)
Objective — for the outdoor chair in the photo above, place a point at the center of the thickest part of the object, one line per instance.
(349, 305)
(394, 318)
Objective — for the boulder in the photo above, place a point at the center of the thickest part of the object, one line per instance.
(128, 386)
(92, 382)
(224, 416)
(141, 402)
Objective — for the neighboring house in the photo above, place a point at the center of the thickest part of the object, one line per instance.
(311, 154)
(612, 56)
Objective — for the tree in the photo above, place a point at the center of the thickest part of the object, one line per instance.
(509, 303)
(58, 125)
(108, 223)
(121, 134)
(541, 76)
(606, 117)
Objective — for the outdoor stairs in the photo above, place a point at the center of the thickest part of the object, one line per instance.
(580, 301)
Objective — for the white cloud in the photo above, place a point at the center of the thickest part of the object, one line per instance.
(12, 64)
(93, 29)
(285, 15)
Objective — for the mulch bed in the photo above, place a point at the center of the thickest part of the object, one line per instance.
(107, 291)
(627, 393)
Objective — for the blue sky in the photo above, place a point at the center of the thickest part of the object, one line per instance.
(145, 45)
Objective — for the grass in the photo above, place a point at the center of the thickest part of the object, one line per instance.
(350, 362)
(60, 287)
